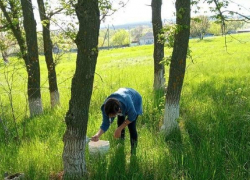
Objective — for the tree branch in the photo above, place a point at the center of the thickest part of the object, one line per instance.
(234, 12)
(239, 20)
(52, 13)
(113, 11)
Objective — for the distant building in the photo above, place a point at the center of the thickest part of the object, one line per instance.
(134, 43)
(148, 38)
(244, 31)
(56, 49)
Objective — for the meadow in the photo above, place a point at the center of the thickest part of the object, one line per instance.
(214, 116)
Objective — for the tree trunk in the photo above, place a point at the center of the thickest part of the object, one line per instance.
(177, 66)
(54, 93)
(82, 84)
(5, 57)
(32, 65)
(201, 36)
(34, 92)
(159, 70)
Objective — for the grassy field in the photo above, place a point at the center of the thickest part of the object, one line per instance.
(214, 117)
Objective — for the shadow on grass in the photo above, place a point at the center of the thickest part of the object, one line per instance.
(135, 170)
(174, 137)
(119, 168)
(173, 159)
(117, 165)
(9, 157)
(216, 135)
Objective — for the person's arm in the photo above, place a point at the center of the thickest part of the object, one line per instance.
(118, 131)
(104, 126)
(97, 135)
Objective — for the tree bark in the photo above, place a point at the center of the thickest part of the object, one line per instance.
(53, 88)
(177, 66)
(82, 84)
(30, 57)
(34, 92)
(159, 70)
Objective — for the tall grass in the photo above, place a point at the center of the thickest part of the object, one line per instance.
(214, 119)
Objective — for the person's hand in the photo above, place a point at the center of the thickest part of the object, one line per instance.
(117, 133)
(95, 138)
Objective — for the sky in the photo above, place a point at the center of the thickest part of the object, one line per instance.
(140, 11)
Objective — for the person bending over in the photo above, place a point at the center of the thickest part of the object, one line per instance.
(126, 104)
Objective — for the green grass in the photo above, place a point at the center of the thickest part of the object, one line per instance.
(214, 117)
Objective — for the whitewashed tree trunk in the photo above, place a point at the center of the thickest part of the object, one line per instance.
(177, 67)
(54, 98)
(74, 155)
(35, 106)
(28, 48)
(159, 79)
(159, 70)
(48, 45)
(76, 118)
(170, 116)
(32, 61)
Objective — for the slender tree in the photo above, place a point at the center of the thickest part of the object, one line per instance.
(34, 92)
(177, 66)
(82, 84)
(47, 43)
(159, 70)
(4, 47)
(6, 41)
(199, 26)
(30, 54)
(5, 56)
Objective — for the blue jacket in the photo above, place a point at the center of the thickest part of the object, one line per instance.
(131, 106)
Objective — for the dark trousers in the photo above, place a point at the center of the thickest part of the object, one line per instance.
(132, 132)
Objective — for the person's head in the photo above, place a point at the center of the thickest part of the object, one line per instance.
(112, 107)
